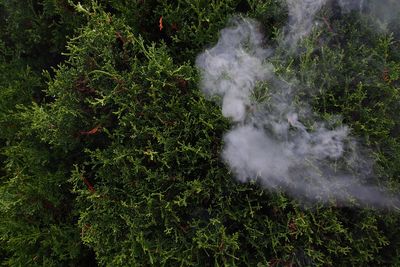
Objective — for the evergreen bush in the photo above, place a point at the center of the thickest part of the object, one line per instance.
(110, 154)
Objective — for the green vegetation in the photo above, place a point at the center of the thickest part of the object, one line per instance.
(110, 154)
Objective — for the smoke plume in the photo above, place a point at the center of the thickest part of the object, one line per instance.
(275, 138)
(301, 18)
(383, 12)
(302, 15)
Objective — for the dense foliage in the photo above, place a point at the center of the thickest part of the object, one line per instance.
(110, 154)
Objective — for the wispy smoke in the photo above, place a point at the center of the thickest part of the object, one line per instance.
(233, 67)
(302, 15)
(276, 139)
(384, 12)
(301, 18)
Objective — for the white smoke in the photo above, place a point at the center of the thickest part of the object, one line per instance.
(302, 15)
(383, 12)
(301, 18)
(279, 142)
(237, 63)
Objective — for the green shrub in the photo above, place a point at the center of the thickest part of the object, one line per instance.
(117, 162)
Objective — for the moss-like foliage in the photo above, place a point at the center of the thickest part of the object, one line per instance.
(110, 154)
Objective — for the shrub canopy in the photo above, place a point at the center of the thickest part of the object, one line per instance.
(110, 154)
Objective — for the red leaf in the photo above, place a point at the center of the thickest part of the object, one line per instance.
(161, 23)
(89, 185)
(93, 131)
